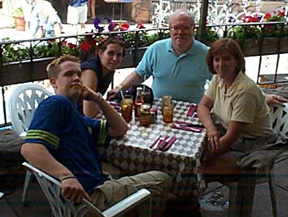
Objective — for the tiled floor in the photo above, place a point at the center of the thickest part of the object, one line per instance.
(262, 204)
(10, 205)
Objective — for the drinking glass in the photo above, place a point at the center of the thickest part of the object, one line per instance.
(167, 112)
(127, 107)
(166, 101)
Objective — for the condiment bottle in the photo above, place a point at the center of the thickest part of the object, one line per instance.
(138, 101)
(145, 117)
(153, 114)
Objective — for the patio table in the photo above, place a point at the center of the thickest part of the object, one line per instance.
(133, 154)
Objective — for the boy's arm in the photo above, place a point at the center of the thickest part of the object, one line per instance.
(40, 157)
(117, 125)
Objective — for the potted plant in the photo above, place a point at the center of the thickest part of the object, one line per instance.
(19, 19)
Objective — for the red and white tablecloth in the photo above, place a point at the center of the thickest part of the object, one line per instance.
(132, 152)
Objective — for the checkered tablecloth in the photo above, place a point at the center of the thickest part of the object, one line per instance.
(132, 152)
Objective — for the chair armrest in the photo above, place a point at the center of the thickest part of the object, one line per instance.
(123, 206)
(128, 203)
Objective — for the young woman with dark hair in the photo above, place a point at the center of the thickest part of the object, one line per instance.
(98, 72)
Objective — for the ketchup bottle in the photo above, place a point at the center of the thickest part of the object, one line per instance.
(138, 101)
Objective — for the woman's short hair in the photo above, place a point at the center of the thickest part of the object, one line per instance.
(116, 39)
(230, 46)
(53, 68)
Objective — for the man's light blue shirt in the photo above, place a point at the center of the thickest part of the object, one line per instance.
(183, 77)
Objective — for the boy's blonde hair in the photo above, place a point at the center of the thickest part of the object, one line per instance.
(53, 68)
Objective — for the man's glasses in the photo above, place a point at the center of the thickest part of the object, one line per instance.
(182, 28)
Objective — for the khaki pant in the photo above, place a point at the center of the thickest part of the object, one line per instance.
(113, 191)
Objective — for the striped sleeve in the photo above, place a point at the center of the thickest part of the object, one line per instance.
(102, 133)
(34, 135)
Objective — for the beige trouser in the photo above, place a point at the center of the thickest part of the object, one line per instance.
(113, 191)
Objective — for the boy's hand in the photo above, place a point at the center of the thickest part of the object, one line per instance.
(90, 95)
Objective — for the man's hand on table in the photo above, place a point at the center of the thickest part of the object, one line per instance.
(112, 94)
(273, 99)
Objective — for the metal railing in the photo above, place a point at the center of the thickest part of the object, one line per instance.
(136, 42)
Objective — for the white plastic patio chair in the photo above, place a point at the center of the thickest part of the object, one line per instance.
(23, 102)
(61, 207)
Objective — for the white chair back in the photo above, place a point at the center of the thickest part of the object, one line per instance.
(23, 102)
(279, 119)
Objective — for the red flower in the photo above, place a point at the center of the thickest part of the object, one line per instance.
(93, 42)
(140, 26)
(267, 16)
(281, 13)
(72, 46)
(85, 46)
(124, 27)
(250, 19)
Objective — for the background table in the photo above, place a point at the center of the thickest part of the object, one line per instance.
(132, 152)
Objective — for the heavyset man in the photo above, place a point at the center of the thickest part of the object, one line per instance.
(177, 64)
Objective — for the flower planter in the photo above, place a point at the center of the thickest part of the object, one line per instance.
(270, 45)
(250, 47)
(26, 71)
(19, 23)
(283, 45)
(264, 46)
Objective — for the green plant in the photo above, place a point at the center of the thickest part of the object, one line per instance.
(18, 12)
(242, 32)
(19, 52)
(209, 36)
